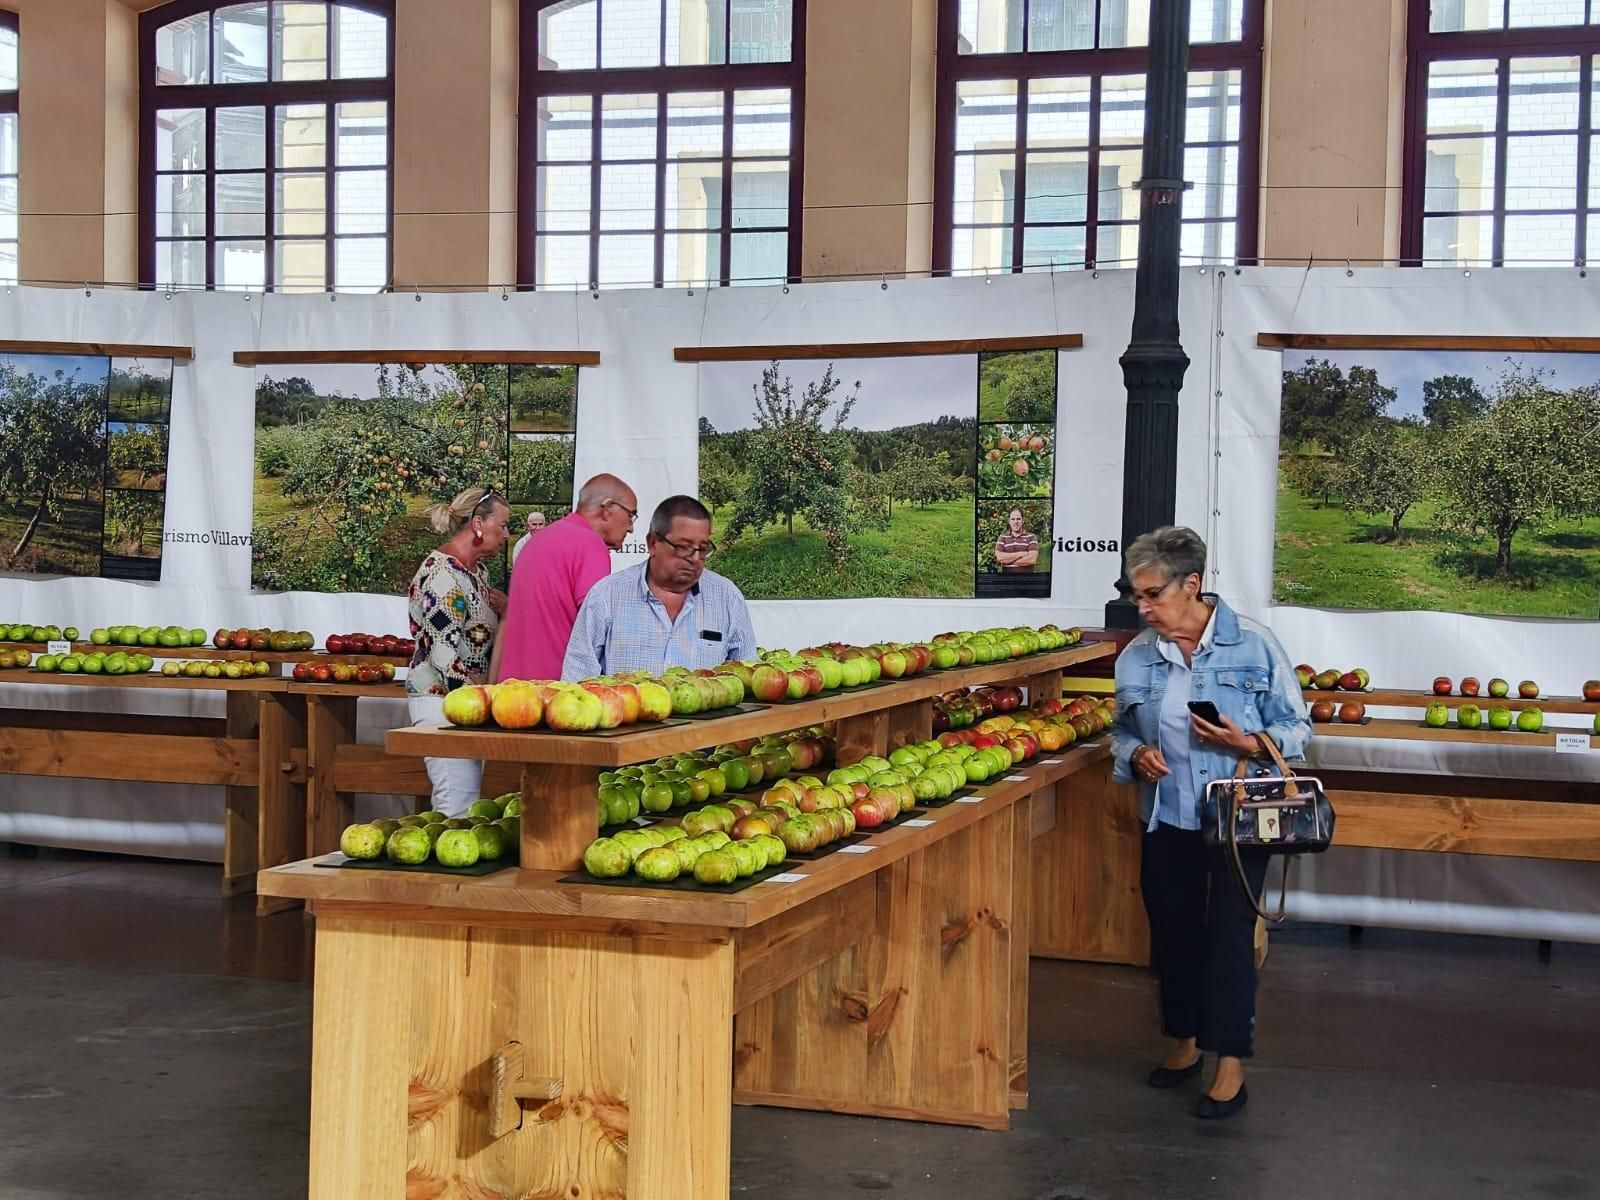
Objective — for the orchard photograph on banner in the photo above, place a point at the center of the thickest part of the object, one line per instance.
(829, 480)
(349, 457)
(1444, 480)
(83, 464)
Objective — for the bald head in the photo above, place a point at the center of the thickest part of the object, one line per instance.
(610, 507)
(601, 488)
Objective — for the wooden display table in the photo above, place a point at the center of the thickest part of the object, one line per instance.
(244, 753)
(515, 1035)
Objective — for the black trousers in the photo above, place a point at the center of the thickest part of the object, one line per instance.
(1202, 938)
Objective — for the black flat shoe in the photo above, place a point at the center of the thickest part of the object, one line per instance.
(1220, 1110)
(1168, 1077)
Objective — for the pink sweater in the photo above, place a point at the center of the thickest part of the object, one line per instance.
(551, 577)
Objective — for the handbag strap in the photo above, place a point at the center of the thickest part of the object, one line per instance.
(1232, 838)
(1290, 787)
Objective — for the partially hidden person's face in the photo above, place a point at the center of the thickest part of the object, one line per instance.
(616, 519)
(1161, 600)
(678, 560)
(1016, 522)
(536, 522)
(495, 526)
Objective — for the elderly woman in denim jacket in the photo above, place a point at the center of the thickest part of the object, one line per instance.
(1196, 648)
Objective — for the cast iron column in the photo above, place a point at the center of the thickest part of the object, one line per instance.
(1154, 363)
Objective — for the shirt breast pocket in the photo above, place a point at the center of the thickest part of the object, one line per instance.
(1241, 693)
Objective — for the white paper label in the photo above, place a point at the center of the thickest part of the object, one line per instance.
(969, 799)
(1572, 743)
(1050, 762)
(860, 848)
(787, 877)
(58, 648)
(919, 823)
(1016, 779)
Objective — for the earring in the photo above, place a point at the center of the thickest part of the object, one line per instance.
(477, 537)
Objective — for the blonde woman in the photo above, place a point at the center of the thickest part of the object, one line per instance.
(455, 615)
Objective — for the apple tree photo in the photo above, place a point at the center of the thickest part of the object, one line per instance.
(823, 484)
(350, 457)
(1452, 481)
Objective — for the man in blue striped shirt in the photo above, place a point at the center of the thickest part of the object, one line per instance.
(669, 611)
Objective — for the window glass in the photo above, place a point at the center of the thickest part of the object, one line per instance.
(255, 177)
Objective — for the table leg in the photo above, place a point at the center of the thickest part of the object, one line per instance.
(915, 1022)
(1021, 944)
(910, 723)
(859, 736)
(241, 813)
(330, 722)
(281, 816)
(1043, 687)
(1086, 902)
(409, 1020)
(559, 817)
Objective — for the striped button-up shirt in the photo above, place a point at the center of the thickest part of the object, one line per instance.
(623, 627)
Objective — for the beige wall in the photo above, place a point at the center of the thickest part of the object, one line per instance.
(1332, 129)
(455, 148)
(1331, 140)
(868, 182)
(78, 152)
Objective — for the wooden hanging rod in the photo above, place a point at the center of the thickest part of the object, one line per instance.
(532, 358)
(1048, 341)
(96, 349)
(1425, 341)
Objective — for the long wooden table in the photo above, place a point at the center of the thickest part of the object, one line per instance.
(242, 753)
(519, 1035)
(1090, 862)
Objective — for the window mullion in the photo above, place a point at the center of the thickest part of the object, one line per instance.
(1585, 119)
(1019, 173)
(725, 234)
(1497, 246)
(211, 196)
(660, 221)
(1091, 202)
(596, 115)
(330, 243)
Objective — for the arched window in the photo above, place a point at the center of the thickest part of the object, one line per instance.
(1041, 128)
(266, 144)
(8, 147)
(1500, 130)
(661, 142)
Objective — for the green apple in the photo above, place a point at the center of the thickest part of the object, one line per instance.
(606, 858)
(410, 845)
(1499, 717)
(1469, 716)
(364, 842)
(456, 847)
(1437, 715)
(1530, 720)
(660, 864)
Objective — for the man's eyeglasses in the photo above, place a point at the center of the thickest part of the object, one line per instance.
(1151, 595)
(689, 551)
(633, 513)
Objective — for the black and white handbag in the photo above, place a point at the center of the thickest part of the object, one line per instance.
(1283, 814)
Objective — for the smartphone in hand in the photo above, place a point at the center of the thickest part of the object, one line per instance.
(1206, 711)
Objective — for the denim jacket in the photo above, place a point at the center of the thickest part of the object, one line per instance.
(1244, 672)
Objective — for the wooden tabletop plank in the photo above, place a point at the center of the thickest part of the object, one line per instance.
(394, 690)
(1046, 341)
(147, 679)
(1381, 727)
(210, 653)
(1404, 698)
(640, 745)
(539, 893)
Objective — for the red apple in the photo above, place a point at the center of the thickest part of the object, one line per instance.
(301, 672)
(893, 663)
(335, 643)
(768, 683)
(1591, 690)
(1350, 682)
(321, 672)
(1442, 686)
(1322, 711)
(1469, 685)
(1528, 689)
(1352, 711)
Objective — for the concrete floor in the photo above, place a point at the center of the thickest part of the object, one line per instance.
(154, 1043)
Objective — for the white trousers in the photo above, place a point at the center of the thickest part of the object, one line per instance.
(456, 781)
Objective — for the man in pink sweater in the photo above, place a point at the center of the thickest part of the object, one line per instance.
(552, 576)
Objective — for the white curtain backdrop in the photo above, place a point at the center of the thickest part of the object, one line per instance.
(637, 417)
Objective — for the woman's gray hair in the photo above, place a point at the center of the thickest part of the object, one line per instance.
(1173, 550)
